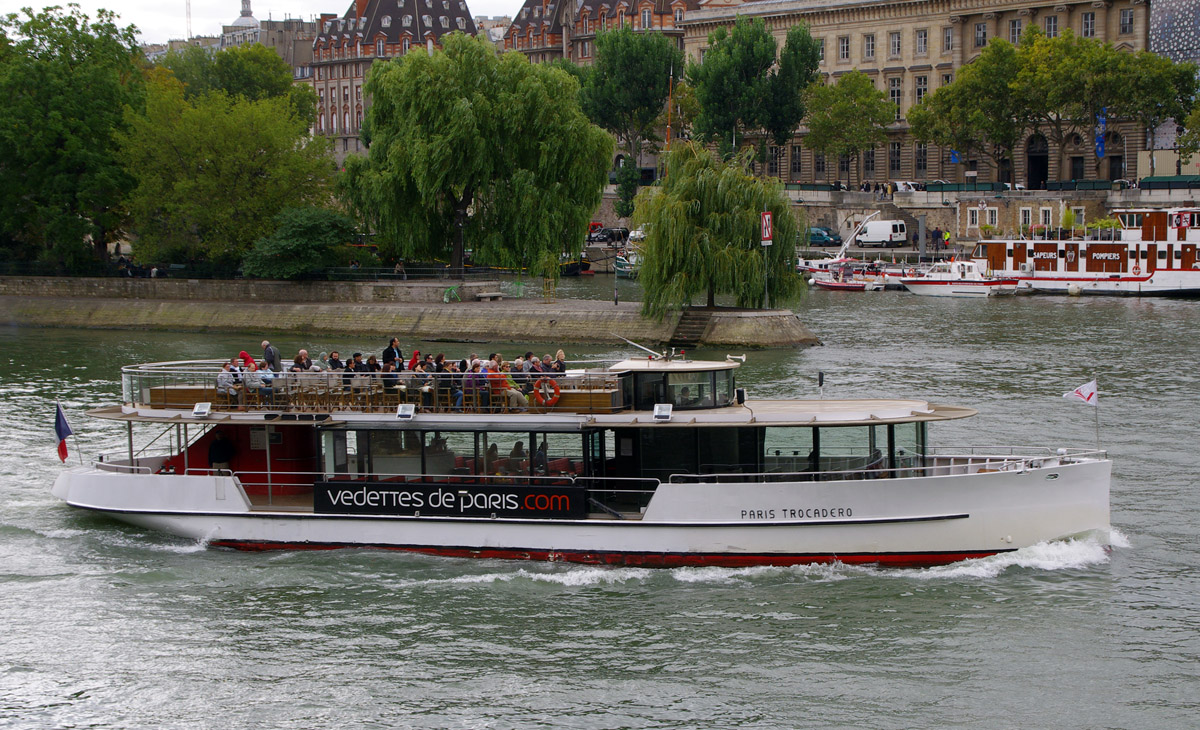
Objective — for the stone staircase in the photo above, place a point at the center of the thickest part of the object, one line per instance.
(690, 328)
(891, 211)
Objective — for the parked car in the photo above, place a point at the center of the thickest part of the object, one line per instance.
(818, 237)
(837, 237)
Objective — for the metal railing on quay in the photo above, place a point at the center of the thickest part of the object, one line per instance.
(181, 385)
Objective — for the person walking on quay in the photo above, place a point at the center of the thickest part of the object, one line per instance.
(271, 356)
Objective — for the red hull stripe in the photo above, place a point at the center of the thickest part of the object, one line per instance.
(643, 560)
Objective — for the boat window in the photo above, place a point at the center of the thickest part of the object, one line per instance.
(907, 447)
(849, 448)
(725, 385)
(667, 451)
(691, 390)
(649, 390)
(790, 450)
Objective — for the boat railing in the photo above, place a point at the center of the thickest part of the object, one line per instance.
(181, 385)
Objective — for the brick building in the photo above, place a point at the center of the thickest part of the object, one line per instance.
(371, 30)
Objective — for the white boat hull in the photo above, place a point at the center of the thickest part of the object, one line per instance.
(958, 288)
(898, 521)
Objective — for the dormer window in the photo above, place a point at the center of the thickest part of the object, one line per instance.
(379, 47)
(445, 4)
(462, 24)
(386, 21)
(647, 18)
(406, 21)
(404, 45)
(429, 3)
(428, 21)
(678, 15)
(444, 21)
(587, 25)
(462, 6)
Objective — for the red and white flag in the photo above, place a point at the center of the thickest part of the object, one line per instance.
(1086, 393)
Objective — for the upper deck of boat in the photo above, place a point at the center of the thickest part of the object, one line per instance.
(700, 393)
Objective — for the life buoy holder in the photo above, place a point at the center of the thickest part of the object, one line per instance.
(1137, 270)
(911, 272)
(542, 389)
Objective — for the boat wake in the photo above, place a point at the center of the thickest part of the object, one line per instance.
(1056, 555)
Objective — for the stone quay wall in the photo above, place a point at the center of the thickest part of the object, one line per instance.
(221, 306)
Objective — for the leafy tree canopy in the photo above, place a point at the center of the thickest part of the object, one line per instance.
(471, 149)
(64, 79)
(703, 234)
(212, 174)
(848, 117)
(305, 240)
(740, 85)
(627, 88)
(252, 72)
(1189, 143)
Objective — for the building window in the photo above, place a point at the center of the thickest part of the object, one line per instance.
(844, 48)
(620, 18)
(869, 46)
(1078, 216)
(1126, 21)
(647, 18)
(444, 21)
(894, 94)
(797, 165)
(980, 35)
(386, 21)
(585, 49)
(922, 159)
(587, 25)
(922, 42)
(972, 217)
(821, 50)
(406, 21)
(844, 165)
(678, 16)
(404, 45)
(819, 164)
(462, 24)
(773, 161)
(1026, 217)
(1046, 216)
(894, 158)
(993, 217)
(427, 20)
(1014, 31)
(947, 79)
(921, 88)
(894, 44)
(1089, 25)
(869, 161)
(379, 47)
(1051, 26)
(947, 39)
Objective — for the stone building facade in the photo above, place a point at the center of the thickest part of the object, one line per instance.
(291, 38)
(371, 30)
(912, 47)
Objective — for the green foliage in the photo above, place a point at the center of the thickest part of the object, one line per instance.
(1155, 89)
(305, 240)
(627, 88)
(252, 72)
(684, 108)
(64, 79)
(212, 174)
(1189, 142)
(740, 85)
(628, 176)
(1104, 224)
(848, 117)
(703, 234)
(979, 111)
(1068, 219)
(470, 149)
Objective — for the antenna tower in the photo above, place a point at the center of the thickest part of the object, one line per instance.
(189, 18)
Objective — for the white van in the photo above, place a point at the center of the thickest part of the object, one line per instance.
(883, 233)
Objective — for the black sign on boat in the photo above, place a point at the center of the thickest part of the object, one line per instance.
(447, 500)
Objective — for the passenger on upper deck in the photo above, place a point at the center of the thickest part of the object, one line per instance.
(227, 384)
(560, 362)
(392, 353)
(335, 361)
(271, 356)
(301, 363)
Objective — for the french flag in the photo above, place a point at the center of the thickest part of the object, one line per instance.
(62, 429)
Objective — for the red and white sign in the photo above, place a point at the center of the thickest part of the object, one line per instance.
(766, 228)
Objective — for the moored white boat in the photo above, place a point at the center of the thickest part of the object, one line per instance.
(1152, 254)
(650, 462)
(959, 279)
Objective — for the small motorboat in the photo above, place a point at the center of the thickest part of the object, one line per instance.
(959, 279)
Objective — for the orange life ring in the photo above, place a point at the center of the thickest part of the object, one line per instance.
(911, 272)
(541, 392)
(1137, 270)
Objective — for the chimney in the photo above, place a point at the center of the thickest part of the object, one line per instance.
(360, 7)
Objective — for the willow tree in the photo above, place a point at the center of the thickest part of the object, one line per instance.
(468, 149)
(703, 234)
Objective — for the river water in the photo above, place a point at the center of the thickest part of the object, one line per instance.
(109, 626)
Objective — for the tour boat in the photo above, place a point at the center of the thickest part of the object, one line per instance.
(1153, 253)
(649, 462)
(958, 279)
(628, 265)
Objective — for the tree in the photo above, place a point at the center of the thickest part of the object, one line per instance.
(1189, 143)
(473, 150)
(1156, 89)
(252, 72)
(703, 234)
(741, 86)
(212, 174)
(980, 110)
(848, 117)
(65, 80)
(627, 88)
(305, 240)
(628, 177)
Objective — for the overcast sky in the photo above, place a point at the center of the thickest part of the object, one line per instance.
(158, 21)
